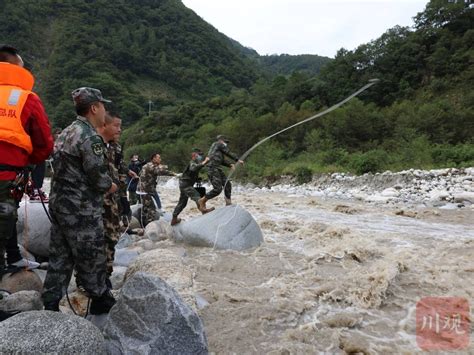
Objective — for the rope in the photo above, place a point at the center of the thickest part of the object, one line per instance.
(332, 108)
(25, 228)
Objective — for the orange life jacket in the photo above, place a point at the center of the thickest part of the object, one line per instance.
(15, 86)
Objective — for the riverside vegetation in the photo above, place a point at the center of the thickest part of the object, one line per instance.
(202, 83)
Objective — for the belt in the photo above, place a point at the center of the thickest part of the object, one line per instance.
(4, 167)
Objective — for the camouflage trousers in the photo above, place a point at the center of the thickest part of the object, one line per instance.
(8, 216)
(111, 218)
(185, 192)
(149, 212)
(76, 242)
(217, 179)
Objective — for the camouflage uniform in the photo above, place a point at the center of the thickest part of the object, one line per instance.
(148, 176)
(186, 182)
(132, 184)
(216, 155)
(76, 207)
(111, 214)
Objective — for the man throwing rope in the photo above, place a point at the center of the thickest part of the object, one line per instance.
(217, 153)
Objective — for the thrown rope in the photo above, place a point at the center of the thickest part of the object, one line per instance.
(332, 108)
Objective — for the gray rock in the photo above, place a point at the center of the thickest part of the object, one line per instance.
(124, 241)
(167, 217)
(134, 223)
(38, 332)
(117, 277)
(146, 244)
(230, 227)
(36, 237)
(201, 302)
(158, 230)
(22, 301)
(124, 257)
(464, 197)
(136, 211)
(150, 318)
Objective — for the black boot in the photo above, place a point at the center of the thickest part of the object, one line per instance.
(51, 306)
(102, 304)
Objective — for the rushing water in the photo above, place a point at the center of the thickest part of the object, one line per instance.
(331, 276)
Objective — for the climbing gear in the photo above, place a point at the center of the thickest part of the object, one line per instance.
(200, 189)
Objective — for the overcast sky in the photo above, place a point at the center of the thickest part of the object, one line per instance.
(305, 26)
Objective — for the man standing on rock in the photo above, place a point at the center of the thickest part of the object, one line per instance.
(186, 185)
(25, 138)
(150, 199)
(217, 153)
(76, 204)
(110, 132)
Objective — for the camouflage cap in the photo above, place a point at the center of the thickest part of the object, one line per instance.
(224, 138)
(196, 150)
(85, 95)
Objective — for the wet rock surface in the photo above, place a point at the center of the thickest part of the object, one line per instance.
(231, 227)
(151, 318)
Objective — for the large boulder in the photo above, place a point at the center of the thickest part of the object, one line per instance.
(230, 227)
(40, 332)
(150, 318)
(158, 230)
(35, 234)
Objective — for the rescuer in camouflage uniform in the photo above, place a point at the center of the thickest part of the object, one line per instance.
(110, 132)
(148, 176)
(186, 184)
(217, 153)
(134, 169)
(76, 206)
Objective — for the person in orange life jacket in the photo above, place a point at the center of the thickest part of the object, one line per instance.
(25, 138)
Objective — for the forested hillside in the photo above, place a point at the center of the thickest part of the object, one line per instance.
(419, 115)
(201, 83)
(285, 64)
(135, 51)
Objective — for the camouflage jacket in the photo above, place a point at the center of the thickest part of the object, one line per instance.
(118, 170)
(217, 154)
(80, 171)
(190, 174)
(149, 174)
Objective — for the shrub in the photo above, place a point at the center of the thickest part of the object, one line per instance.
(303, 174)
(369, 162)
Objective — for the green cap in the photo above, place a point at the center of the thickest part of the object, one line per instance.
(85, 95)
(224, 138)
